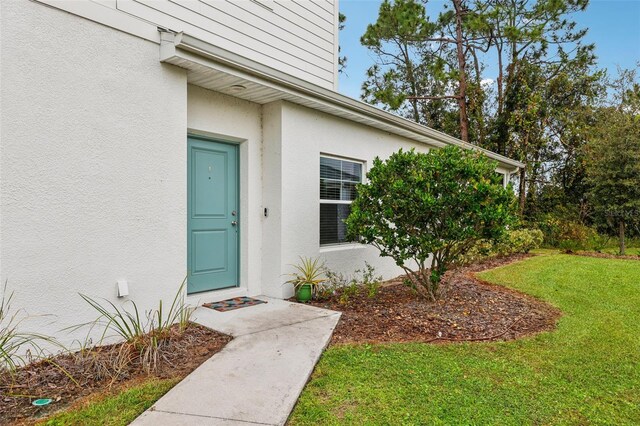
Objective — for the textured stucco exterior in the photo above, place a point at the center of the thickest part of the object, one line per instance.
(92, 153)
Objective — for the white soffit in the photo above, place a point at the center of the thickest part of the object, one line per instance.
(216, 69)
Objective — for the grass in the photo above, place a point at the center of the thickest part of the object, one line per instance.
(114, 409)
(616, 250)
(585, 372)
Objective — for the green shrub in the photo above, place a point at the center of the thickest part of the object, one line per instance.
(599, 242)
(349, 291)
(512, 242)
(567, 234)
(425, 210)
(520, 241)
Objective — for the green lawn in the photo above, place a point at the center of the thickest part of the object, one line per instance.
(585, 372)
(629, 250)
(114, 410)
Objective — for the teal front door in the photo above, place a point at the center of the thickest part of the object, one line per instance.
(213, 216)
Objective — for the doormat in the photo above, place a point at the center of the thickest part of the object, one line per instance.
(235, 303)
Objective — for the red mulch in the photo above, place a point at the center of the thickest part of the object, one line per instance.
(469, 310)
(94, 373)
(607, 255)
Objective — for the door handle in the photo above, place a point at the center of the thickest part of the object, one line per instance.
(234, 223)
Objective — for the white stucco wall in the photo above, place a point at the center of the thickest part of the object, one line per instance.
(93, 166)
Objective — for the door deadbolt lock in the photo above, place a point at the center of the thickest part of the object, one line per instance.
(233, 213)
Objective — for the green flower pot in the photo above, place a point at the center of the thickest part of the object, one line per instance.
(303, 294)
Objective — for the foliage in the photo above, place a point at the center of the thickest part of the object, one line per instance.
(309, 271)
(145, 333)
(512, 242)
(362, 281)
(17, 347)
(538, 105)
(370, 281)
(613, 159)
(567, 234)
(584, 372)
(121, 408)
(403, 68)
(439, 203)
(342, 59)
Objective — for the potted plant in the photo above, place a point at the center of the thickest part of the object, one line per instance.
(307, 277)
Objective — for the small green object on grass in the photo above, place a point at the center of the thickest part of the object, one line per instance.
(42, 402)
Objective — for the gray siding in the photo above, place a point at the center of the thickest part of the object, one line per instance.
(297, 37)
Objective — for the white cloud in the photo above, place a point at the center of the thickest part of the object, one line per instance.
(486, 82)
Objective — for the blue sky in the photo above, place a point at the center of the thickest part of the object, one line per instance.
(614, 26)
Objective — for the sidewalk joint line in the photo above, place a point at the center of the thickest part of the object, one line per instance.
(215, 417)
(287, 325)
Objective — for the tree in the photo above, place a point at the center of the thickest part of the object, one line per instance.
(535, 42)
(525, 29)
(402, 70)
(544, 116)
(426, 210)
(425, 63)
(536, 109)
(342, 60)
(613, 158)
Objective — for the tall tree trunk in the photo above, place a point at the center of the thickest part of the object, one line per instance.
(412, 81)
(622, 247)
(522, 187)
(462, 93)
(478, 109)
(500, 81)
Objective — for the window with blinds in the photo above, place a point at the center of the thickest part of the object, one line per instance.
(338, 180)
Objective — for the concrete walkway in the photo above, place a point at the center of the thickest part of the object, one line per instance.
(258, 376)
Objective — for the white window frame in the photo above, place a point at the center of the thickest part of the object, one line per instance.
(323, 201)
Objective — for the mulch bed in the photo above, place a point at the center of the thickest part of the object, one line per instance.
(470, 310)
(94, 373)
(607, 255)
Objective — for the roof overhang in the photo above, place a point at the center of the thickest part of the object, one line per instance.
(217, 69)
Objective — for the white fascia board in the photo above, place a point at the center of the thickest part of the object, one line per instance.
(173, 46)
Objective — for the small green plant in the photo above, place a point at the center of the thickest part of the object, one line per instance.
(309, 272)
(143, 333)
(17, 348)
(179, 313)
(345, 287)
(349, 291)
(370, 281)
(330, 287)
